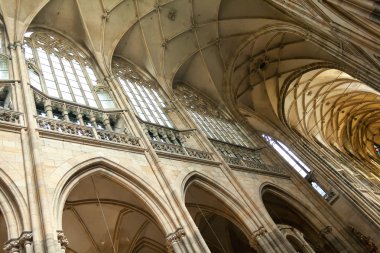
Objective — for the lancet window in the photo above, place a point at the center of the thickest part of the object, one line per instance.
(143, 93)
(295, 162)
(209, 118)
(4, 73)
(60, 69)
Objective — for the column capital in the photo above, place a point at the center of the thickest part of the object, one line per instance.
(261, 231)
(26, 238)
(12, 245)
(15, 245)
(324, 231)
(174, 238)
(62, 240)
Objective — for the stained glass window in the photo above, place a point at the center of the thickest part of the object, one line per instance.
(61, 70)
(377, 149)
(143, 94)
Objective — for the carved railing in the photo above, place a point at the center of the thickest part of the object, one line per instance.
(172, 141)
(244, 157)
(165, 134)
(10, 116)
(180, 150)
(65, 127)
(117, 137)
(69, 118)
(7, 113)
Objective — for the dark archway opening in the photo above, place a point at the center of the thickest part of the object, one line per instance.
(284, 213)
(218, 226)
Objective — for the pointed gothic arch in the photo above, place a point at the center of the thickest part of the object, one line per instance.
(13, 207)
(285, 209)
(217, 206)
(119, 174)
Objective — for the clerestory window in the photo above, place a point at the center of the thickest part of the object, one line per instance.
(61, 70)
(209, 118)
(295, 162)
(143, 93)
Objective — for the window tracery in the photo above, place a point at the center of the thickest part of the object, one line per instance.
(143, 94)
(209, 118)
(60, 69)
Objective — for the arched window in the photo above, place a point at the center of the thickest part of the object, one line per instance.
(142, 92)
(209, 118)
(4, 73)
(295, 162)
(61, 70)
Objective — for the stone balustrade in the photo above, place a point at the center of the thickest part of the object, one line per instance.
(69, 118)
(166, 134)
(170, 140)
(65, 127)
(240, 156)
(10, 116)
(180, 150)
(52, 108)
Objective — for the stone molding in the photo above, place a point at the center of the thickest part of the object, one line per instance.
(15, 245)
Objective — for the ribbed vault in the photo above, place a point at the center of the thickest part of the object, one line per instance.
(335, 108)
(102, 216)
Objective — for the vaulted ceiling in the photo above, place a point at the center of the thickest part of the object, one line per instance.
(237, 52)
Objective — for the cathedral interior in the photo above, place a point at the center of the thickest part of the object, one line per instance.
(205, 126)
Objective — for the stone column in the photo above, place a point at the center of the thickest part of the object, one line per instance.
(29, 146)
(48, 109)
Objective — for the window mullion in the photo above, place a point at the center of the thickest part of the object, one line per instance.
(78, 81)
(54, 76)
(67, 79)
(92, 87)
(39, 71)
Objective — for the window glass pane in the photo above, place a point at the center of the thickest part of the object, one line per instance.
(34, 79)
(145, 99)
(105, 99)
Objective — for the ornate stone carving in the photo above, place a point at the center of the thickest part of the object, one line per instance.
(15, 245)
(173, 238)
(26, 238)
(327, 230)
(365, 240)
(10, 116)
(255, 236)
(62, 240)
(12, 245)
